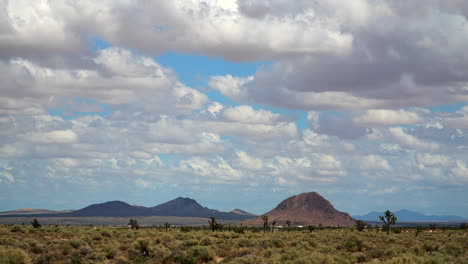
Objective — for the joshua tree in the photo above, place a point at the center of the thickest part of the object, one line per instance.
(388, 219)
(265, 223)
(360, 225)
(214, 225)
(167, 225)
(133, 224)
(288, 223)
(464, 226)
(311, 228)
(418, 230)
(273, 226)
(35, 223)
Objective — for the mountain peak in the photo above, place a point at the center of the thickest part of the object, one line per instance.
(306, 209)
(241, 212)
(306, 201)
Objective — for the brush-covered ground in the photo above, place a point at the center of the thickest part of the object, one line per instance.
(88, 244)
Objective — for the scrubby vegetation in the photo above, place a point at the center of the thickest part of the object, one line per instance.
(89, 244)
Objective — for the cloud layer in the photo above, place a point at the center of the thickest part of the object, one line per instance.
(358, 98)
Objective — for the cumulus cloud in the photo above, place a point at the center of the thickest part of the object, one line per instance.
(117, 77)
(385, 117)
(386, 67)
(216, 170)
(7, 175)
(248, 162)
(457, 120)
(429, 160)
(410, 141)
(460, 171)
(52, 137)
(374, 162)
(246, 114)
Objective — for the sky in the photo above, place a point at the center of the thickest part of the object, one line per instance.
(236, 104)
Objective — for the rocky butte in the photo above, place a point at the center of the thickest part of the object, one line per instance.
(305, 209)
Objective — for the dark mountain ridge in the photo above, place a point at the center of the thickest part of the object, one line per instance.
(182, 207)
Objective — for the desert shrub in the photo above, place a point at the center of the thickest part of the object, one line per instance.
(161, 252)
(105, 234)
(122, 260)
(184, 259)
(375, 253)
(245, 242)
(76, 259)
(166, 238)
(237, 252)
(396, 230)
(453, 250)
(250, 259)
(189, 243)
(97, 256)
(109, 253)
(206, 242)
(43, 259)
(185, 229)
(17, 229)
(76, 244)
(429, 247)
(290, 254)
(84, 251)
(353, 244)
(277, 243)
(13, 256)
(239, 230)
(143, 247)
(201, 253)
(312, 243)
(360, 258)
(34, 247)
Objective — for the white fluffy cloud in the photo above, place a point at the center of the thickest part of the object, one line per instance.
(216, 170)
(410, 141)
(430, 160)
(7, 175)
(59, 136)
(117, 77)
(385, 117)
(374, 162)
(246, 114)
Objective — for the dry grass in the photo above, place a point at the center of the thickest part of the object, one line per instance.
(90, 244)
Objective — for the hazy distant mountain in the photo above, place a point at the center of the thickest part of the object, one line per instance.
(183, 207)
(411, 216)
(113, 208)
(242, 212)
(305, 209)
(189, 207)
(29, 211)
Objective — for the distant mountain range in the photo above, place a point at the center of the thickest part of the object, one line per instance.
(28, 211)
(411, 216)
(182, 207)
(305, 209)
